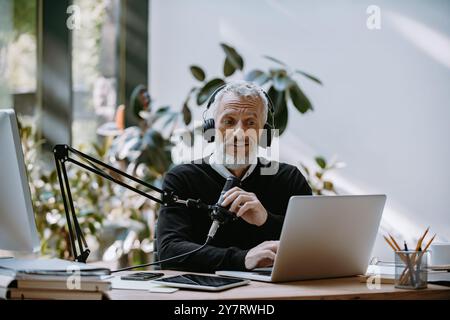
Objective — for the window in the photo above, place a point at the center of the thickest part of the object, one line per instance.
(93, 68)
(18, 55)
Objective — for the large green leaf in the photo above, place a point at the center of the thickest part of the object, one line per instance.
(228, 68)
(277, 98)
(187, 115)
(208, 89)
(257, 76)
(198, 73)
(280, 109)
(281, 119)
(300, 101)
(234, 58)
(309, 76)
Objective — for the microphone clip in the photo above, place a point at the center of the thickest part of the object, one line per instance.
(222, 215)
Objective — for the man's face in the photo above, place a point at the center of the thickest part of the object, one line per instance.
(239, 120)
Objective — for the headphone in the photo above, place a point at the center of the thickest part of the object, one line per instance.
(209, 124)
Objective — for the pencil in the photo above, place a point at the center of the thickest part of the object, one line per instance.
(420, 256)
(429, 243)
(390, 244)
(419, 243)
(419, 246)
(395, 243)
(399, 254)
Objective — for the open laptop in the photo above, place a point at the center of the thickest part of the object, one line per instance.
(323, 237)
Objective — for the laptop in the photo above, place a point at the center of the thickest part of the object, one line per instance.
(323, 237)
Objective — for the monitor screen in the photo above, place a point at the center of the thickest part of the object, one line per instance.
(17, 224)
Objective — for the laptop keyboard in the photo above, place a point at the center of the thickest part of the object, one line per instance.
(262, 273)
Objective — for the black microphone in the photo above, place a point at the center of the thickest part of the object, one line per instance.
(221, 215)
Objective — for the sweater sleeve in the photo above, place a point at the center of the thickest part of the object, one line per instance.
(297, 186)
(175, 236)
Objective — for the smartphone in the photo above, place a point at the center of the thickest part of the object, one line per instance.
(142, 276)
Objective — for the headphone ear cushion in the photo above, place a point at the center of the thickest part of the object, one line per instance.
(266, 137)
(208, 130)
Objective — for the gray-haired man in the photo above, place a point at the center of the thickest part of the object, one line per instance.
(240, 111)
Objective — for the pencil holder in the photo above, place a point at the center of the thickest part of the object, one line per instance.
(411, 269)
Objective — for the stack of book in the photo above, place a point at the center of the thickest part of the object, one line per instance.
(52, 279)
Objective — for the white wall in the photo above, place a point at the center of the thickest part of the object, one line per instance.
(384, 107)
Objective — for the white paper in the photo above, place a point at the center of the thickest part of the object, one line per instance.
(161, 289)
(117, 283)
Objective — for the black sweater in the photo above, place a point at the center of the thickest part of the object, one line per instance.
(181, 229)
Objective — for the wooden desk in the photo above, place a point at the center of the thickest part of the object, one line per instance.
(342, 288)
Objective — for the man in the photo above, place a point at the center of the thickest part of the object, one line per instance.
(240, 110)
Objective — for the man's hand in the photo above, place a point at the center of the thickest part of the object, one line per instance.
(263, 255)
(246, 205)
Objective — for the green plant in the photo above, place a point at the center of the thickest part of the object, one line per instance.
(143, 150)
(283, 89)
(98, 203)
(315, 176)
(24, 17)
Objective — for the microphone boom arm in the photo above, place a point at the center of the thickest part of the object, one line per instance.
(76, 237)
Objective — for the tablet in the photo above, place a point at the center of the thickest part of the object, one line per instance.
(201, 282)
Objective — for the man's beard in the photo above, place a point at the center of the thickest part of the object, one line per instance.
(235, 158)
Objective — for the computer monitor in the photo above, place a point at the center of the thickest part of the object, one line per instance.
(18, 231)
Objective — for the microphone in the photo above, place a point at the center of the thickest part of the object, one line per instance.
(221, 215)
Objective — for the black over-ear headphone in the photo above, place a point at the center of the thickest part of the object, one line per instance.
(209, 125)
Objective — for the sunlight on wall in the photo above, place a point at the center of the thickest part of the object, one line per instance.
(434, 43)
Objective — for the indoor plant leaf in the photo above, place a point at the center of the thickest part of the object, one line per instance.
(162, 110)
(274, 60)
(300, 101)
(257, 76)
(234, 58)
(228, 68)
(281, 81)
(280, 109)
(321, 162)
(309, 76)
(187, 115)
(197, 72)
(208, 89)
(328, 185)
(281, 119)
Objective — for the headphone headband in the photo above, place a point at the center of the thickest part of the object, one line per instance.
(212, 98)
